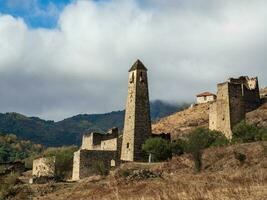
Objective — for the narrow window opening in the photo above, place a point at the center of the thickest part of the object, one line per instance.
(132, 78)
(128, 145)
(141, 79)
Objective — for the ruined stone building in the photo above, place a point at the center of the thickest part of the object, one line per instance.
(44, 167)
(235, 97)
(96, 147)
(137, 123)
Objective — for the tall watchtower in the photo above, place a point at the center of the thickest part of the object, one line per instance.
(137, 123)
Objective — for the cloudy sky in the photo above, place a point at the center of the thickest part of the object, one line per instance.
(61, 58)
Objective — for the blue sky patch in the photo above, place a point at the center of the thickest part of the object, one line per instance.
(36, 13)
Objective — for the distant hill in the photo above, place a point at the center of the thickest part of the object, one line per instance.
(69, 131)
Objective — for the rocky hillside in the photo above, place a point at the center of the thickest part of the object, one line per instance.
(198, 116)
(223, 177)
(183, 121)
(259, 116)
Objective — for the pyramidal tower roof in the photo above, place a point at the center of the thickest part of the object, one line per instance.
(138, 65)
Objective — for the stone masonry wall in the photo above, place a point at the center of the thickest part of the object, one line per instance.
(87, 141)
(223, 110)
(237, 104)
(213, 116)
(110, 145)
(85, 159)
(129, 121)
(76, 166)
(44, 167)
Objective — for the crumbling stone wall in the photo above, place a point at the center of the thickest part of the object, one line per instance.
(137, 123)
(213, 116)
(44, 167)
(85, 159)
(99, 141)
(250, 91)
(87, 141)
(110, 145)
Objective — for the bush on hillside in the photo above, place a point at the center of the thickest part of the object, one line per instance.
(64, 160)
(243, 132)
(7, 184)
(241, 157)
(200, 139)
(159, 148)
(178, 146)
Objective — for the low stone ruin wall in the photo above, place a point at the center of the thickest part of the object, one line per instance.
(85, 159)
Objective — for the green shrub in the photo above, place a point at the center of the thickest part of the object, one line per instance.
(240, 157)
(178, 146)
(243, 132)
(159, 148)
(200, 139)
(7, 184)
(99, 168)
(264, 135)
(64, 160)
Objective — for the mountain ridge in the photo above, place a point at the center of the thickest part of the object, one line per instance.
(69, 131)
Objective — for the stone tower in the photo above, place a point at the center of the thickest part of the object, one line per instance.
(235, 98)
(137, 123)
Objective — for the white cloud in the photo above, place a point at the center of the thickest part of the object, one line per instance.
(81, 66)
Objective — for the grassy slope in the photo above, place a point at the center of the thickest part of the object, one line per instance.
(222, 178)
(198, 116)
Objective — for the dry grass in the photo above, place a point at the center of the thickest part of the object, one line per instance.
(183, 121)
(222, 178)
(198, 116)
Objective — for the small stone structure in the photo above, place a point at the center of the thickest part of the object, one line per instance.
(44, 167)
(205, 97)
(235, 97)
(137, 123)
(96, 147)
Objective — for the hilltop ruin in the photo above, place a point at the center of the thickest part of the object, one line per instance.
(235, 98)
